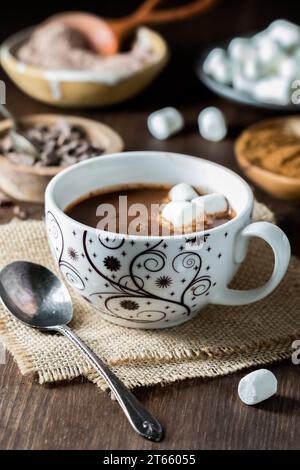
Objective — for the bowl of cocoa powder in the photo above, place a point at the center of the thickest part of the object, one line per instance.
(269, 154)
(62, 141)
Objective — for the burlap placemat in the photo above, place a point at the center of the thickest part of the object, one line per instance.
(220, 340)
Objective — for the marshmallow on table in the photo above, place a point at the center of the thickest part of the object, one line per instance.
(182, 192)
(212, 125)
(213, 203)
(273, 90)
(218, 66)
(165, 122)
(285, 33)
(257, 386)
(180, 213)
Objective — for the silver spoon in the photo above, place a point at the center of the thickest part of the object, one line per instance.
(19, 141)
(36, 297)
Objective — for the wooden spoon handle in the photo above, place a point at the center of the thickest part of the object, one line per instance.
(147, 14)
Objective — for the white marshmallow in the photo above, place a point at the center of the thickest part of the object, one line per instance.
(296, 54)
(212, 125)
(213, 203)
(285, 33)
(273, 90)
(268, 51)
(257, 386)
(182, 192)
(251, 67)
(180, 213)
(215, 56)
(218, 66)
(287, 67)
(165, 122)
(239, 82)
(239, 48)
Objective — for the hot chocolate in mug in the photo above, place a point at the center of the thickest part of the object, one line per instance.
(157, 281)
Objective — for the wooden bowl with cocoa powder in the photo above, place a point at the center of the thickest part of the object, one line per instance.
(27, 182)
(269, 154)
(79, 88)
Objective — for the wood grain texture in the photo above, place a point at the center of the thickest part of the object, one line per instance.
(197, 414)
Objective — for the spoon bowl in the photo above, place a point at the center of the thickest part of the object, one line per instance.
(35, 295)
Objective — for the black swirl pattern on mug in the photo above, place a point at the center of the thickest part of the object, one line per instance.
(55, 234)
(200, 286)
(110, 280)
(111, 243)
(127, 282)
(72, 275)
(131, 291)
(187, 260)
(155, 261)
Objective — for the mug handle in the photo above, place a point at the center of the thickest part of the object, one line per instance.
(280, 245)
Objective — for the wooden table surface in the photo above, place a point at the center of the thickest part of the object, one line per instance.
(197, 414)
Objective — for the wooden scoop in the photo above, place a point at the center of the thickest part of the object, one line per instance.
(106, 35)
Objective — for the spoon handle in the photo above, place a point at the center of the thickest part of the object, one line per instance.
(140, 419)
(7, 114)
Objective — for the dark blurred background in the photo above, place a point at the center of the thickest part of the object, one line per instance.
(186, 39)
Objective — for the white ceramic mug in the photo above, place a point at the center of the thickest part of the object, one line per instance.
(151, 281)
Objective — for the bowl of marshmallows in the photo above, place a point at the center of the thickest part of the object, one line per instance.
(262, 70)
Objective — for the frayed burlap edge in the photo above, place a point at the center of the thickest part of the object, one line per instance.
(150, 373)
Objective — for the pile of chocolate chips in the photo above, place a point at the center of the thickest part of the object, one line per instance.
(59, 145)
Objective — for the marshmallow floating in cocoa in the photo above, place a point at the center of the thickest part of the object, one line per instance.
(179, 213)
(185, 208)
(212, 204)
(257, 386)
(212, 125)
(165, 122)
(182, 192)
